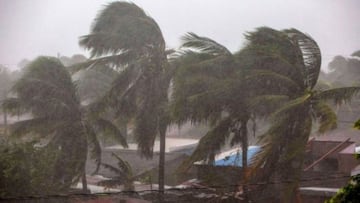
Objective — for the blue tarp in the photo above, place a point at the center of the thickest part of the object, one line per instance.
(235, 159)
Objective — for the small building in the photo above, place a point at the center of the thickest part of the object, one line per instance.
(227, 167)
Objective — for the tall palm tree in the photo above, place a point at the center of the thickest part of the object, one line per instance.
(129, 41)
(294, 57)
(47, 92)
(210, 86)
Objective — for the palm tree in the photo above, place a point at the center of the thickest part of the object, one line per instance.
(125, 175)
(124, 38)
(47, 92)
(294, 57)
(210, 86)
(5, 85)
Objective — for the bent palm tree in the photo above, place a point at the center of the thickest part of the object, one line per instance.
(294, 57)
(211, 86)
(48, 93)
(129, 41)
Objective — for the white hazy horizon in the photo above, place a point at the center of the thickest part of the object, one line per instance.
(42, 27)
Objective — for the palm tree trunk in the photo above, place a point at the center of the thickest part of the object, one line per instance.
(244, 146)
(162, 159)
(5, 121)
(84, 182)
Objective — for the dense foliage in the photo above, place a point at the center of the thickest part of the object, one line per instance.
(26, 170)
(57, 119)
(125, 39)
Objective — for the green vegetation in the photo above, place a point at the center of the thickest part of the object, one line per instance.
(351, 192)
(124, 174)
(273, 77)
(27, 171)
(296, 58)
(124, 38)
(47, 92)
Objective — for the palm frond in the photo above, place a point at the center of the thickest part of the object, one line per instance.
(326, 117)
(357, 124)
(264, 105)
(46, 86)
(116, 60)
(38, 126)
(109, 129)
(310, 54)
(146, 127)
(112, 168)
(122, 26)
(95, 148)
(123, 165)
(270, 49)
(210, 144)
(271, 80)
(204, 44)
(291, 105)
(339, 95)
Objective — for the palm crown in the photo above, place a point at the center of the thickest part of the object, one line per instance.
(48, 93)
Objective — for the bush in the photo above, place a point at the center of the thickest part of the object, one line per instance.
(26, 170)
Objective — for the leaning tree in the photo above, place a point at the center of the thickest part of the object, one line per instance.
(124, 38)
(210, 86)
(295, 57)
(57, 118)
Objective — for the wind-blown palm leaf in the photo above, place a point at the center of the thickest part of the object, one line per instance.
(204, 44)
(124, 174)
(46, 86)
(291, 106)
(326, 117)
(122, 26)
(357, 124)
(271, 79)
(117, 60)
(123, 165)
(264, 105)
(109, 129)
(339, 95)
(209, 144)
(310, 53)
(95, 148)
(35, 125)
(272, 50)
(113, 169)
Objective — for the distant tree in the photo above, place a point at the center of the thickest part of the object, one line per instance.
(23, 63)
(345, 70)
(6, 81)
(69, 61)
(126, 39)
(356, 53)
(47, 92)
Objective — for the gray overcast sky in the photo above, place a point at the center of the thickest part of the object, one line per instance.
(29, 28)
